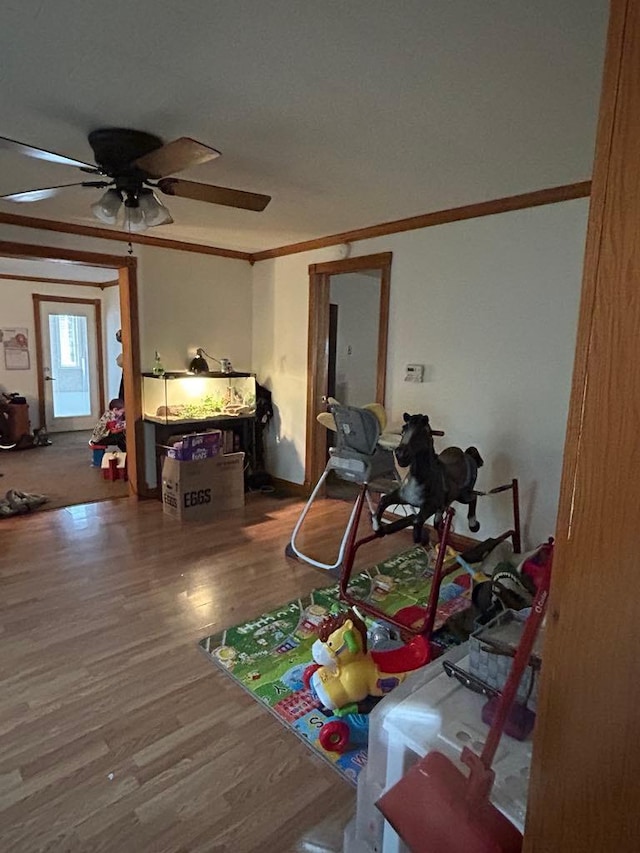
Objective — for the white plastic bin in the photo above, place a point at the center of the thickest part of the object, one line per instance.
(430, 711)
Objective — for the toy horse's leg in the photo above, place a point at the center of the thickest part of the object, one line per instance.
(474, 461)
(418, 525)
(474, 524)
(382, 529)
(428, 509)
(385, 501)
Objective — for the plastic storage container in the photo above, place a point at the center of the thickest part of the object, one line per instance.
(430, 711)
(189, 398)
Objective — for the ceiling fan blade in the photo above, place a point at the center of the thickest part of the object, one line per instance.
(41, 154)
(214, 195)
(39, 194)
(175, 156)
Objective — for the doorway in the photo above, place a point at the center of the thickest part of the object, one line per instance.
(354, 316)
(353, 363)
(69, 361)
(124, 270)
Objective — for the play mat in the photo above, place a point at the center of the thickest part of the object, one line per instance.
(268, 655)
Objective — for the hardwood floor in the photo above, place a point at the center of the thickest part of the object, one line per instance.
(116, 733)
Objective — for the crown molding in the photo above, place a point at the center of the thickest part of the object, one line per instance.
(73, 281)
(120, 236)
(537, 198)
(552, 195)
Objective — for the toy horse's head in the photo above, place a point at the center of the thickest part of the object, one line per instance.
(416, 436)
(340, 639)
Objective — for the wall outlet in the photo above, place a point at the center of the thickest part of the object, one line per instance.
(414, 373)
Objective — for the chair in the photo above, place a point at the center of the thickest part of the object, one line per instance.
(357, 457)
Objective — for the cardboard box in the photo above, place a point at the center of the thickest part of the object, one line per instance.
(200, 445)
(199, 489)
(228, 488)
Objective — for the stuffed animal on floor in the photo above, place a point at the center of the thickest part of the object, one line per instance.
(345, 672)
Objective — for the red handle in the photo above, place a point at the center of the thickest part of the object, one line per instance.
(518, 666)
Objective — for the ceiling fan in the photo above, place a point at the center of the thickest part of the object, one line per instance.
(132, 164)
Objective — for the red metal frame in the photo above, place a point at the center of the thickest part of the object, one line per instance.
(353, 545)
(514, 533)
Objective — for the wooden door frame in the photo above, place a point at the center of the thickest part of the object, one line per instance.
(584, 792)
(38, 299)
(318, 347)
(126, 267)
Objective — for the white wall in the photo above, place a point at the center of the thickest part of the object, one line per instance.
(16, 309)
(358, 299)
(188, 301)
(489, 306)
(280, 320)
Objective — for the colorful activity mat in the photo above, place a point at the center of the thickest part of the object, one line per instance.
(268, 655)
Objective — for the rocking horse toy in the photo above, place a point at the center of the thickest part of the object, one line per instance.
(435, 480)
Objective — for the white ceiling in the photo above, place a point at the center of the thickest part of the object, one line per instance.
(347, 113)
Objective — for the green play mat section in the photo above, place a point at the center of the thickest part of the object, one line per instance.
(268, 655)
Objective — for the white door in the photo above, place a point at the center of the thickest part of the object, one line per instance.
(70, 365)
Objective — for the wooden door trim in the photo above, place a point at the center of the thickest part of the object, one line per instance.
(38, 299)
(318, 354)
(585, 738)
(363, 262)
(126, 268)
(130, 326)
(317, 369)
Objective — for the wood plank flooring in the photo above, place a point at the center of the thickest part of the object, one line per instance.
(116, 733)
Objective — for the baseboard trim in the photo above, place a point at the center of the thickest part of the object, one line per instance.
(295, 490)
(148, 493)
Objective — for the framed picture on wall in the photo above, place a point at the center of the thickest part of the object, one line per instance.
(15, 344)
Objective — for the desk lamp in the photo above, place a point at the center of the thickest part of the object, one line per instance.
(200, 365)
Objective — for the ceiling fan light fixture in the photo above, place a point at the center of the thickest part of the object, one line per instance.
(132, 162)
(153, 210)
(106, 209)
(134, 220)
